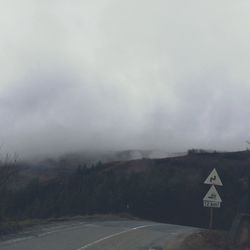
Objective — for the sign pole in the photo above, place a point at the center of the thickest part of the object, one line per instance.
(212, 198)
(211, 218)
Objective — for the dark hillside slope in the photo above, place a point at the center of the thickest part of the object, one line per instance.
(174, 189)
(239, 161)
(167, 190)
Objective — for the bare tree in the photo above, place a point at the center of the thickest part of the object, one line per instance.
(248, 145)
(8, 170)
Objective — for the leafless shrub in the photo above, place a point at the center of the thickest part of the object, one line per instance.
(8, 170)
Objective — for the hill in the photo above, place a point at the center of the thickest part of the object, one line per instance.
(167, 190)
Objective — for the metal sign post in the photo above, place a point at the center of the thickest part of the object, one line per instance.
(211, 217)
(212, 198)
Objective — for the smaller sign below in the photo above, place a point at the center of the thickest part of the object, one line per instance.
(212, 195)
(215, 204)
(213, 179)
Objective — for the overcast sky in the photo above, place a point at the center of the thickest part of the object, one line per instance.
(116, 74)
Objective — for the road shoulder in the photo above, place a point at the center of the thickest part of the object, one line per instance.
(202, 239)
(177, 243)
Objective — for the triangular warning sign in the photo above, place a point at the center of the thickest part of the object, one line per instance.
(212, 195)
(213, 179)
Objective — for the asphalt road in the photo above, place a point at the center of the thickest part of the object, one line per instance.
(102, 235)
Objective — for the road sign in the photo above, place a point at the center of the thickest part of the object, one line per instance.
(212, 198)
(214, 204)
(213, 179)
(212, 195)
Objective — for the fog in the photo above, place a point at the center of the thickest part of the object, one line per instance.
(114, 75)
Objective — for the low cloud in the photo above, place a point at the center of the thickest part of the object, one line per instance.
(124, 74)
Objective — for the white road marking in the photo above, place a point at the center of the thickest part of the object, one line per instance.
(91, 225)
(62, 229)
(114, 235)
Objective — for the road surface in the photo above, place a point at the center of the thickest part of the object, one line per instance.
(99, 235)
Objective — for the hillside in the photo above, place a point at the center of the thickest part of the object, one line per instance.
(167, 190)
(201, 162)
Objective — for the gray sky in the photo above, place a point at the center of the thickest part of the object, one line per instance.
(116, 74)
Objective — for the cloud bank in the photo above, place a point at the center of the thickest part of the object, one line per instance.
(113, 75)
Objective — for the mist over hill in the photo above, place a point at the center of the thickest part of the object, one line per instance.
(89, 158)
(114, 75)
(46, 168)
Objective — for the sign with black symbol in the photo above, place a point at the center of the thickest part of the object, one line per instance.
(212, 198)
(213, 179)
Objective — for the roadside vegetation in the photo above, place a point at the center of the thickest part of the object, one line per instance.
(206, 240)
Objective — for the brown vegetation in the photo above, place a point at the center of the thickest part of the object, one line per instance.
(206, 240)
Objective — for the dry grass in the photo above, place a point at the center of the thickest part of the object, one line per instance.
(205, 240)
(11, 227)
